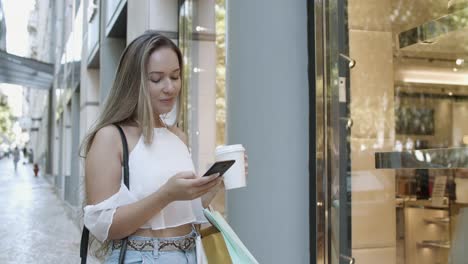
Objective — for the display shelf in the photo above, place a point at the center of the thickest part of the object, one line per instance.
(434, 244)
(437, 220)
(443, 158)
(425, 204)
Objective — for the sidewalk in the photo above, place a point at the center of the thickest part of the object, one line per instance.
(34, 227)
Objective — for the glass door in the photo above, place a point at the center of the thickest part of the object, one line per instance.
(333, 132)
(392, 140)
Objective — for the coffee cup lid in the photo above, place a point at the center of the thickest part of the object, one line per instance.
(229, 148)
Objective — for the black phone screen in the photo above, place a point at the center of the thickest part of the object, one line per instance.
(220, 167)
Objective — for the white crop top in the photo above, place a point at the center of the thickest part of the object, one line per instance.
(150, 167)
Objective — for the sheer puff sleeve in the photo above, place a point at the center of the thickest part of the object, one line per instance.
(98, 217)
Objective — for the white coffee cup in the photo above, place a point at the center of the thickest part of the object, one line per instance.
(234, 177)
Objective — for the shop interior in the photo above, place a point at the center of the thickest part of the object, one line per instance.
(409, 135)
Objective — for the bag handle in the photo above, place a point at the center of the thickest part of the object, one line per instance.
(126, 178)
(211, 229)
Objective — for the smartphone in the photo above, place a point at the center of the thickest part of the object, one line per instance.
(220, 167)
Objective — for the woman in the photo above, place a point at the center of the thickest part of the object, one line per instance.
(166, 198)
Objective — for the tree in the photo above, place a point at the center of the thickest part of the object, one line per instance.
(5, 122)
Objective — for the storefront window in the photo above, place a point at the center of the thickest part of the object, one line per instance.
(202, 41)
(396, 146)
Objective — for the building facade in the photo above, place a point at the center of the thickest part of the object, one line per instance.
(2, 29)
(351, 114)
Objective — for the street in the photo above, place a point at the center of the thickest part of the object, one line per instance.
(34, 226)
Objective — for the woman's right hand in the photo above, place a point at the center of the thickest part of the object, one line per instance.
(188, 186)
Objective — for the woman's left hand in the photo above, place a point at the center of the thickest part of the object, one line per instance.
(209, 196)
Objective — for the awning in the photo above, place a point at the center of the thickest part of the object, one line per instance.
(24, 71)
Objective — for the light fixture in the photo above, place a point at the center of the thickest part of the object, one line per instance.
(419, 155)
(197, 70)
(428, 157)
(459, 62)
(455, 69)
(450, 93)
(201, 29)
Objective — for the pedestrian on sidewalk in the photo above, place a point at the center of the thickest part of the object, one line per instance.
(25, 155)
(16, 157)
(31, 156)
(161, 210)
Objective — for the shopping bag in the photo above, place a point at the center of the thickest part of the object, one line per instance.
(214, 246)
(237, 250)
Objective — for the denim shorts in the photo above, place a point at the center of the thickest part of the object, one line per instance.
(155, 256)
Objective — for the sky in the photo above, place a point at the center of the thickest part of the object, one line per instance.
(16, 19)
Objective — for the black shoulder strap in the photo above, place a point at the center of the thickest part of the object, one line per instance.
(125, 156)
(126, 176)
(84, 245)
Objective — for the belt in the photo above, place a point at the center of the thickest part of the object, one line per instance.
(184, 244)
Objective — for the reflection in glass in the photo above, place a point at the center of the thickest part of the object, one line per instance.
(401, 164)
(202, 41)
(220, 12)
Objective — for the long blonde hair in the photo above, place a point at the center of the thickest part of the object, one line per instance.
(129, 99)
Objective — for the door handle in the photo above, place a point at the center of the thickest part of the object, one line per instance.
(349, 122)
(351, 61)
(350, 259)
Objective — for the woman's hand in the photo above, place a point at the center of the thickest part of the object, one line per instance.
(187, 186)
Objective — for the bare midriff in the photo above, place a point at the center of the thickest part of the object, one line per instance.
(168, 232)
